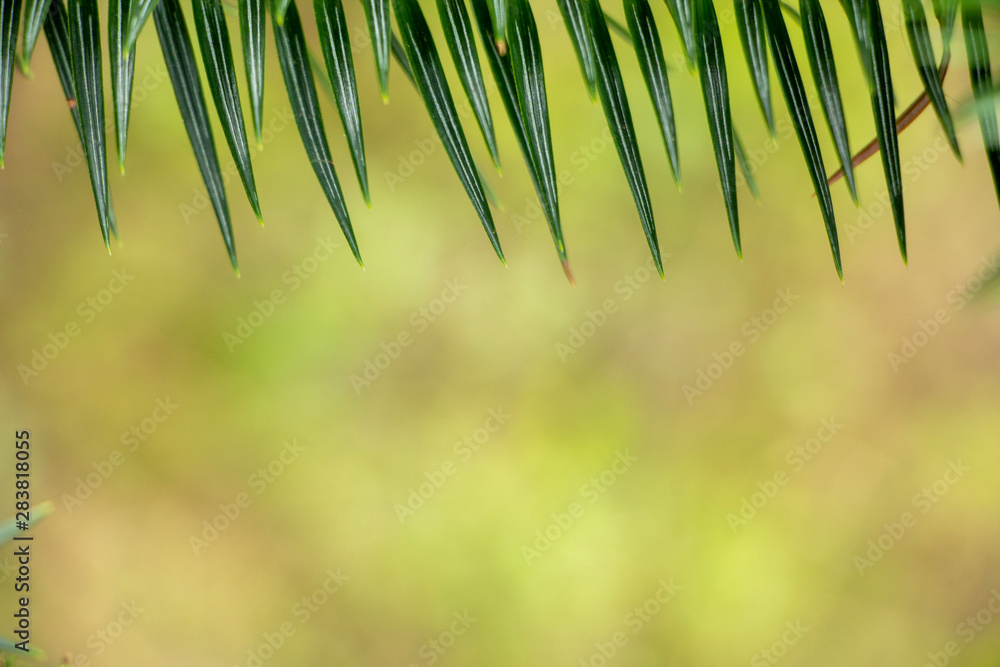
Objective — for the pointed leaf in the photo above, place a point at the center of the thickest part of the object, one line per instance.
(529, 78)
(295, 70)
(798, 106)
(715, 90)
(34, 14)
(399, 53)
(869, 35)
(654, 70)
(217, 57)
(336, 44)
(458, 34)
(253, 29)
(616, 27)
(576, 25)
(504, 76)
(57, 35)
(945, 11)
(616, 110)
(857, 15)
(682, 12)
(744, 165)
(278, 10)
(122, 71)
(753, 37)
(319, 72)
(112, 220)
(979, 72)
(491, 194)
(824, 72)
(433, 87)
(903, 121)
(377, 14)
(923, 56)
(498, 16)
(791, 12)
(179, 57)
(10, 15)
(883, 107)
(85, 50)
(139, 13)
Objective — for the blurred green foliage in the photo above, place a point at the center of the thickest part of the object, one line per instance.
(150, 421)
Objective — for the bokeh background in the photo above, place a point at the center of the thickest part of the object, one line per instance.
(837, 438)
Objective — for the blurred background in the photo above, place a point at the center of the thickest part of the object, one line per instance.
(439, 460)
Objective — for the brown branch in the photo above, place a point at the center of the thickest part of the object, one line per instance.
(904, 121)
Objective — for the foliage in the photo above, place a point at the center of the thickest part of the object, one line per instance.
(509, 38)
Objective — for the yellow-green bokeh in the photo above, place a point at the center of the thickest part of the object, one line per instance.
(497, 347)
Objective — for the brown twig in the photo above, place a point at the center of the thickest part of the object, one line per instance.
(904, 121)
